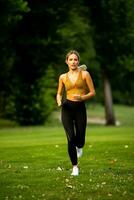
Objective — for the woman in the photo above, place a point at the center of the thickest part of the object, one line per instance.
(79, 88)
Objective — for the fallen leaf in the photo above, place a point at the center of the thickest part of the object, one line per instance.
(25, 167)
(59, 168)
(69, 186)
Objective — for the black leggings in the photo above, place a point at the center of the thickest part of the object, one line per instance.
(74, 120)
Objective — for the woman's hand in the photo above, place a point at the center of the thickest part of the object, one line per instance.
(77, 97)
(59, 103)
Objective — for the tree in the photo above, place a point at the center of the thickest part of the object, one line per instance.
(37, 47)
(112, 21)
(37, 44)
(10, 14)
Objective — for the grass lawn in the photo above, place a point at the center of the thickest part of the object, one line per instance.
(34, 164)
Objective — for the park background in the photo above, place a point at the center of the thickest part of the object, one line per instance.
(35, 36)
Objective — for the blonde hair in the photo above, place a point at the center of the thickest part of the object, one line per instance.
(73, 52)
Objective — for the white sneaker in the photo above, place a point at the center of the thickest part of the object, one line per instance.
(79, 152)
(75, 171)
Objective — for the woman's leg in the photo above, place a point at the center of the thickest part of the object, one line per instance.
(68, 124)
(80, 125)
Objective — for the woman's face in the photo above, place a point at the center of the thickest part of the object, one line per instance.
(72, 61)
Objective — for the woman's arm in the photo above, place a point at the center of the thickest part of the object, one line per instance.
(90, 86)
(60, 91)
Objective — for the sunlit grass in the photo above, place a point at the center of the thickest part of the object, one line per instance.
(34, 164)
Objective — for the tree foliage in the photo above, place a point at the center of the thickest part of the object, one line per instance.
(10, 14)
(112, 23)
(35, 42)
(113, 35)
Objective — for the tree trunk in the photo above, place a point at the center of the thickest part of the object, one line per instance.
(109, 113)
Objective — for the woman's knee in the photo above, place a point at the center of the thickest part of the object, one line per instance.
(80, 143)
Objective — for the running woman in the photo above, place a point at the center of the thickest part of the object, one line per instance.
(79, 87)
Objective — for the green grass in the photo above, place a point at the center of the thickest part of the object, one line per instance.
(34, 164)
